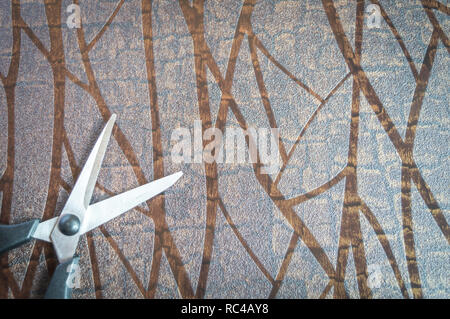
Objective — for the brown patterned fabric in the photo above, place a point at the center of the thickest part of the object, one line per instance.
(358, 207)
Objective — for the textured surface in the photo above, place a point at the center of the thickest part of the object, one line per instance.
(359, 208)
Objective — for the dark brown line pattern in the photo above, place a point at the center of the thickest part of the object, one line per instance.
(7, 180)
(244, 243)
(350, 234)
(404, 149)
(398, 38)
(158, 165)
(196, 27)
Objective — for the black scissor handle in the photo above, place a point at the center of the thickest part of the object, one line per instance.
(61, 284)
(12, 236)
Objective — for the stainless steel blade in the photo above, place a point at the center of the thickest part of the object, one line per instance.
(84, 186)
(44, 229)
(102, 212)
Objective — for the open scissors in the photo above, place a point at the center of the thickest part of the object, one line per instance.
(78, 217)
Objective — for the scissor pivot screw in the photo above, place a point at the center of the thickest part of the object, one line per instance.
(69, 224)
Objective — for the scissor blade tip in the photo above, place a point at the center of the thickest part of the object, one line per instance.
(177, 175)
(173, 178)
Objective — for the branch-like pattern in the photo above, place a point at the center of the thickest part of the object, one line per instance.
(350, 234)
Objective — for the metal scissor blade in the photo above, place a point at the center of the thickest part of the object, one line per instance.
(44, 229)
(76, 206)
(84, 186)
(102, 212)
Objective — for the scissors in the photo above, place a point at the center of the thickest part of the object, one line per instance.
(79, 217)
